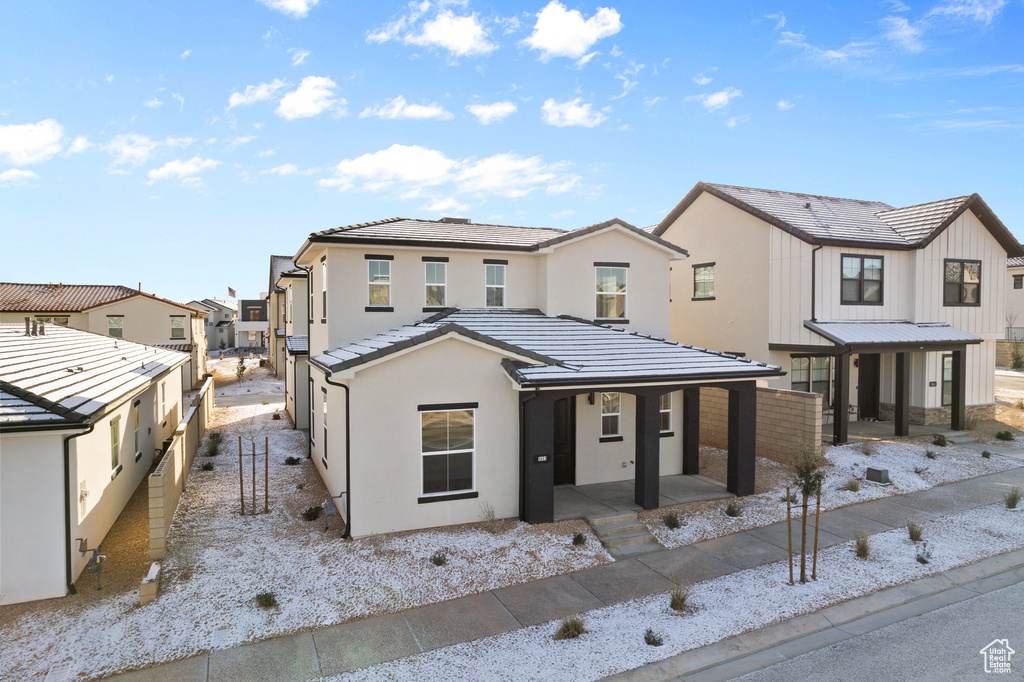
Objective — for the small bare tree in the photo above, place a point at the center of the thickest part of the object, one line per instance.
(1016, 350)
(807, 462)
(240, 368)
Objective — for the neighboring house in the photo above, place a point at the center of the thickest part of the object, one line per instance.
(220, 323)
(1013, 317)
(296, 385)
(453, 364)
(277, 313)
(82, 416)
(891, 313)
(251, 328)
(116, 311)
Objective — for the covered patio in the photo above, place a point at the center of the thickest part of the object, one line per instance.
(580, 501)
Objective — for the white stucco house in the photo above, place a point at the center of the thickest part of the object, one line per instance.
(82, 416)
(277, 352)
(891, 313)
(296, 332)
(453, 363)
(251, 329)
(220, 322)
(1014, 314)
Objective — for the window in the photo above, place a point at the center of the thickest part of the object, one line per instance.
(494, 293)
(163, 399)
(288, 307)
(115, 443)
(135, 415)
(177, 327)
(323, 418)
(611, 292)
(436, 280)
(115, 326)
(610, 411)
(962, 283)
(380, 282)
(62, 320)
(312, 416)
(862, 280)
(1018, 282)
(665, 408)
(704, 280)
(309, 285)
(323, 287)
(448, 441)
(947, 380)
(252, 337)
(812, 375)
(254, 314)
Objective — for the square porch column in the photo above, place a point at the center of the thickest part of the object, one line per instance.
(902, 394)
(691, 431)
(958, 410)
(739, 476)
(841, 413)
(648, 450)
(537, 448)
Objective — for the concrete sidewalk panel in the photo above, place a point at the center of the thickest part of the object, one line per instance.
(622, 580)
(776, 535)
(743, 550)
(997, 582)
(945, 499)
(860, 607)
(280, 659)
(350, 646)
(986, 567)
(686, 565)
(890, 512)
(459, 620)
(543, 600)
(847, 523)
(186, 670)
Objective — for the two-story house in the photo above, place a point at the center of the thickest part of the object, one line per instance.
(1013, 316)
(251, 328)
(113, 310)
(220, 322)
(296, 330)
(891, 313)
(277, 313)
(453, 364)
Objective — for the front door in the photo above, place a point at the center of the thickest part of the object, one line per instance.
(565, 441)
(868, 366)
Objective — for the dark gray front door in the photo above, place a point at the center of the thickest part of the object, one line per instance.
(869, 370)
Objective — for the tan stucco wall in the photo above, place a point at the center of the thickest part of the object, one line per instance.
(297, 390)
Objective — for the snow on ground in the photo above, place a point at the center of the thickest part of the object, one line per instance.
(255, 380)
(909, 469)
(724, 607)
(219, 560)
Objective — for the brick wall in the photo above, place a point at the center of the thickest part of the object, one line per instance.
(785, 419)
(1003, 353)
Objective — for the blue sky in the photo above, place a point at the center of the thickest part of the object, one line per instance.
(180, 144)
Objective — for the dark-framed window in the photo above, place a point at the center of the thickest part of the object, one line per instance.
(665, 412)
(812, 374)
(611, 292)
(704, 280)
(961, 282)
(494, 287)
(947, 380)
(447, 449)
(115, 326)
(312, 414)
(436, 280)
(177, 326)
(323, 445)
(323, 287)
(861, 280)
(1018, 281)
(611, 409)
(379, 282)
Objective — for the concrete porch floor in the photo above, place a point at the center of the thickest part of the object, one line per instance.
(869, 430)
(578, 501)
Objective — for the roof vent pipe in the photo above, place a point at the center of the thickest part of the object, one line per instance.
(27, 333)
(42, 329)
(35, 327)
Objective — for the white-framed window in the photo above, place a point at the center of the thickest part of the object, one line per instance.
(115, 326)
(323, 287)
(135, 417)
(115, 443)
(62, 320)
(163, 398)
(312, 415)
(252, 337)
(448, 449)
(288, 315)
(665, 412)
(704, 280)
(611, 292)
(436, 279)
(323, 417)
(309, 286)
(611, 410)
(494, 294)
(177, 327)
(379, 278)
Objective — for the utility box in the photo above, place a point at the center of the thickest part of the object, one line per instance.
(880, 476)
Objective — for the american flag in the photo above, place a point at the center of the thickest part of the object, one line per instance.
(231, 292)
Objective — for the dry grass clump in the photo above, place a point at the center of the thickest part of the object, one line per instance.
(679, 600)
(652, 638)
(915, 532)
(671, 520)
(571, 628)
(868, 448)
(852, 485)
(863, 548)
(1012, 497)
(733, 509)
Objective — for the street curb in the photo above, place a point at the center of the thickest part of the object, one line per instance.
(825, 622)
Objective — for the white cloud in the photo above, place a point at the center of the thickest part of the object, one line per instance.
(15, 176)
(79, 144)
(109, 78)
(398, 164)
(901, 32)
(237, 141)
(701, 79)
(780, 19)
(462, 36)
(185, 54)
(447, 205)
(783, 105)
(298, 56)
(492, 113)
(398, 108)
(296, 9)
(624, 76)
(827, 56)
(393, 29)
(266, 152)
(733, 121)
(512, 176)
(560, 32)
(983, 11)
(137, 149)
(255, 93)
(288, 169)
(30, 142)
(651, 101)
(897, 6)
(717, 100)
(570, 113)
(314, 95)
(180, 99)
(185, 171)
(154, 103)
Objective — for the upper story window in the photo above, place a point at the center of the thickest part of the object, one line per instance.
(447, 450)
(288, 306)
(494, 287)
(704, 280)
(436, 278)
(1018, 282)
(115, 326)
(177, 327)
(323, 287)
(254, 314)
(962, 282)
(611, 291)
(380, 282)
(610, 412)
(862, 280)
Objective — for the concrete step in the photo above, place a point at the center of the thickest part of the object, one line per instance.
(623, 534)
(958, 437)
(630, 551)
(637, 538)
(611, 518)
(619, 529)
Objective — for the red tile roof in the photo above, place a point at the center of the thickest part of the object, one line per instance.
(68, 298)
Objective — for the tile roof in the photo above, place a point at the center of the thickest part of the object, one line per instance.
(66, 376)
(1017, 262)
(558, 351)
(297, 345)
(861, 333)
(68, 298)
(278, 266)
(180, 347)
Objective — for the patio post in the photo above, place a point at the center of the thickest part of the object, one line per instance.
(537, 447)
(742, 438)
(841, 413)
(902, 394)
(958, 410)
(648, 449)
(691, 431)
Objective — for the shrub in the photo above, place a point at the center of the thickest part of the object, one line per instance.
(216, 437)
(652, 638)
(579, 539)
(671, 520)
(868, 448)
(1004, 435)
(312, 513)
(853, 485)
(1016, 355)
(213, 444)
(930, 454)
(923, 554)
(733, 509)
(489, 519)
(792, 498)
(1019, 405)
(222, 344)
(920, 470)
(940, 440)
(970, 423)
(276, 415)
(292, 461)
(240, 368)
(1012, 497)
(863, 548)
(914, 531)
(266, 600)
(207, 466)
(571, 628)
(439, 558)
(986, 454)
(679, 600)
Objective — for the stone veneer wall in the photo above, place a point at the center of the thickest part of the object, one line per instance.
(936, 416)
(785, 419)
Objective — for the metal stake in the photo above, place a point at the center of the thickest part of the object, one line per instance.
(817, 521)
(789, 533)
(266, 474)
(253, 477)
(241, 482)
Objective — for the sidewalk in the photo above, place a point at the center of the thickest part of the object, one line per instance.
(350, 646)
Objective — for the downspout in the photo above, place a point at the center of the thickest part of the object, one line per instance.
(67, 507)
(348, 460)
(814, 279)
